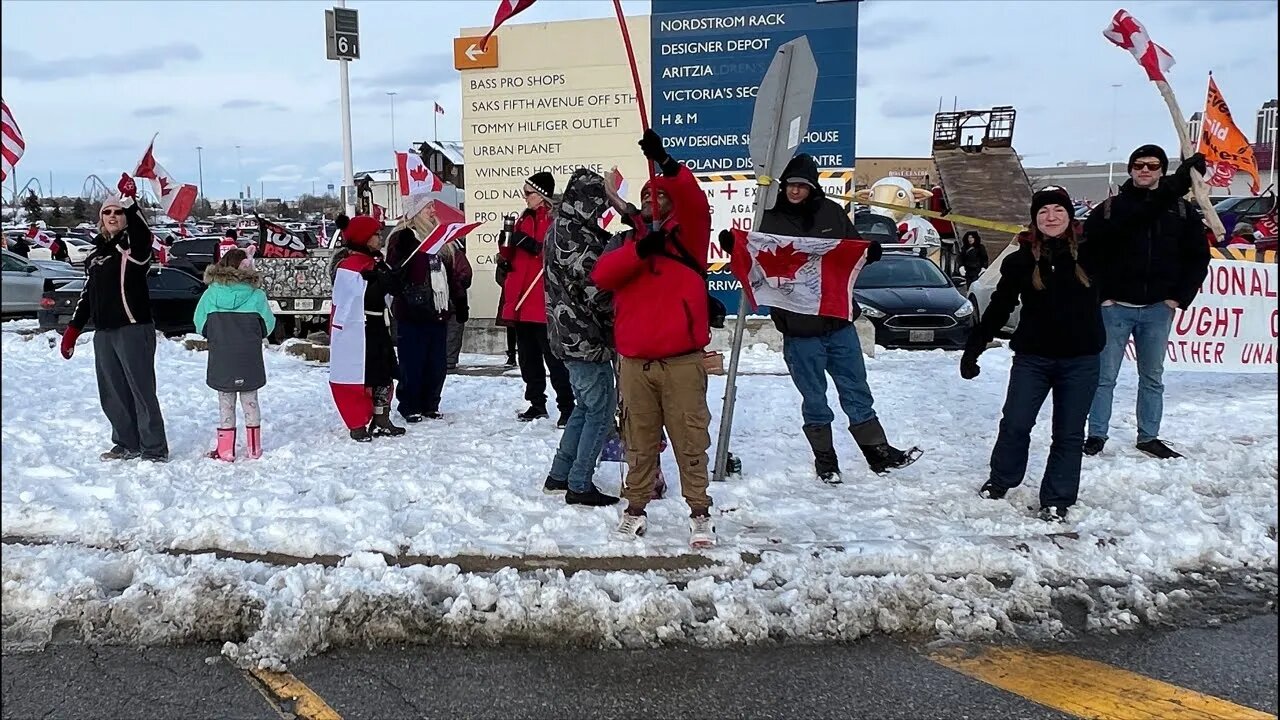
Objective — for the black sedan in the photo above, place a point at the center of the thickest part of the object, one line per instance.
(912, 304)
(174, 295)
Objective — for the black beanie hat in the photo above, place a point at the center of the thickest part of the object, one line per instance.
(544, 183)
(1154, 151)
(1052, 195)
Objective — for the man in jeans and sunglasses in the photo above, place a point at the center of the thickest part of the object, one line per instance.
(1151, 258)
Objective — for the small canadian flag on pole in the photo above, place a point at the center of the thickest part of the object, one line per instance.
(414, 176)
(176, 199)
(439, 109)
(507, 9)
(442, 235)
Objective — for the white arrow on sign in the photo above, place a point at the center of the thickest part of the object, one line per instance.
(473, 50)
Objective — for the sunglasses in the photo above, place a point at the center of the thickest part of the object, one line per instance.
(1146, 166)
(108, 213)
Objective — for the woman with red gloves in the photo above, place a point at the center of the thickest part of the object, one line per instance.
(524, 303)
(115, 298)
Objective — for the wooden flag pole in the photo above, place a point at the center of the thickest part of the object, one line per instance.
(1198, 187)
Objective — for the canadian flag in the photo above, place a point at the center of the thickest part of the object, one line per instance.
(443, 234)
(439, 110)
(812, 276)
(415, 177)
(447, 214)
(175, 198)
(379, 212)
(610, 214)
(507, 9)
(40, 237)
(1127, 33)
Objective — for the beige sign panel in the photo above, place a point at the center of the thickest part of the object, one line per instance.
(555, 102)
(920, 171)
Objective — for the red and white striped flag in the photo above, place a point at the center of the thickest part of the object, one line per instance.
(507, 9)
(1127, 33)
(442, 235)
(13, 142)
(813, 276)
(415, 177)
(176, 199)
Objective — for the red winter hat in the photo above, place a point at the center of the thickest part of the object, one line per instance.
(357, 230)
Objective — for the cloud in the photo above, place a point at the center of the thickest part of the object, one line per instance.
(248, 104)
(1224, 11)
(901, 107)
(956, 66)
(23, 65)
(282, 174)
(155, 111)
(891, 32)
(332, 169)
(424, 71)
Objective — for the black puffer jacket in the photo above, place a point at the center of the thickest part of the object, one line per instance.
(1150, 247)
(1062, 320)
(115, 290)
(816, 217)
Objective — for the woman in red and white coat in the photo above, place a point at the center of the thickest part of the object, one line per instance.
(524, 303)
(362, 356)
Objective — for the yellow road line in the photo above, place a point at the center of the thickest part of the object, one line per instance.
(1086, 688)
(307, 705)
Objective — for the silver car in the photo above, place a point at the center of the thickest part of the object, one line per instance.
(982, 288)
(26, 281)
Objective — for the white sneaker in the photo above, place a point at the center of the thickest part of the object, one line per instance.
(631, 527)
(702, 534)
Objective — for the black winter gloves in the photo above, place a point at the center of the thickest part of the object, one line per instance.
(726, 240)
(525, 242)
(651, 146)
(1195, 162)
(875, 252)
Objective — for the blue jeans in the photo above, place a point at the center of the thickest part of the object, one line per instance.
(809, 360)
(1032, 377)
(595, 400)
(1149, 326)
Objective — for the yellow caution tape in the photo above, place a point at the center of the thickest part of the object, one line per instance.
(1011, 228)
(764, 180)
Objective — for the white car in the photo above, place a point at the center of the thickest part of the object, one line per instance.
(77, 250)
(982, 288)
(26, 281)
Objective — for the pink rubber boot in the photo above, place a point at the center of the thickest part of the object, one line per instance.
(226, 449)
(253, 437)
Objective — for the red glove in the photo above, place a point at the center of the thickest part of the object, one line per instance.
(127, 187)
(69, 342)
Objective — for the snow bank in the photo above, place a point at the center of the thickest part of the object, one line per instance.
(833, 556)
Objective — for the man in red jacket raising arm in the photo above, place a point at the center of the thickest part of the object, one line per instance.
(656, 274)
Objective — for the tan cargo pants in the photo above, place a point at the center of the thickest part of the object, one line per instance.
(670, 393)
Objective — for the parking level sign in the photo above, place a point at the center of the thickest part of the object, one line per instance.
(342, 26)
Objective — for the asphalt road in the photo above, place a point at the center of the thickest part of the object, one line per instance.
(881, 678)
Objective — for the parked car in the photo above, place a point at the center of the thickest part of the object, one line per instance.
(980, 291)
(174, 295)
(198, 251)
(1234, 210)
(25, 282)
(912, 304)
(77, 250)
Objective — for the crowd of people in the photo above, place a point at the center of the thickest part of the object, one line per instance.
(620, 323)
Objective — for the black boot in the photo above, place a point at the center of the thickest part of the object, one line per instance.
(535, 412)
(881, 456)
(825, 462)
(565, 414)
(381, 426)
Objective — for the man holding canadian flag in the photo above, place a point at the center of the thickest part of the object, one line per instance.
(802, 264)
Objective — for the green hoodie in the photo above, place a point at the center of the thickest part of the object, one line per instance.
(232, 290)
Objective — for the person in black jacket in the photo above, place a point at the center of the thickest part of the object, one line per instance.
(1055, 349)
(973, 256)
(815, 346)
(115, 298)
(1152, 256)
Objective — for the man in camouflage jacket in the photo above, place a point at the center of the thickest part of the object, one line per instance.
(580, 331)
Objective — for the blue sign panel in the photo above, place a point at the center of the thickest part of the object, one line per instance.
(708, 58)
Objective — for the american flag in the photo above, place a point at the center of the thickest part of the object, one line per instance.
(13, 142)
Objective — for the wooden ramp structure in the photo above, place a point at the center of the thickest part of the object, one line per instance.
(980, 171)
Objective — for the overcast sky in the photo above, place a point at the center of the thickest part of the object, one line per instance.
(89, 82)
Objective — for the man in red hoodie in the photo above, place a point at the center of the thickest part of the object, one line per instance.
(656, 273)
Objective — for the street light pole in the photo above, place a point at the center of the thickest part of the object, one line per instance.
(240, 179)
(1111, 153)
(392, 94)
(200, 165)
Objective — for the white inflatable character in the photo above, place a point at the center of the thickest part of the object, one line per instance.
(898, 191)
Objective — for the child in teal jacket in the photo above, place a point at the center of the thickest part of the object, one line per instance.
(233, 314)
